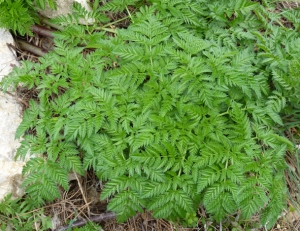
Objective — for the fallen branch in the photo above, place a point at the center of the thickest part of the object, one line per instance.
(31, 48)
(98, 218)
(42, 31)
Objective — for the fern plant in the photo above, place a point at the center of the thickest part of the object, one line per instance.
(20, 15)
(22, 214)
(179, 109)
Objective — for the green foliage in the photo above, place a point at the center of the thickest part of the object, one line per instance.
(19, 15)
(90, 226)
(43, 177)
(191, 220)
(181, 108)
(19, 214)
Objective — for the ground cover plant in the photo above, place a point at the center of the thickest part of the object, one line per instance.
(183, 108)
(20, 15)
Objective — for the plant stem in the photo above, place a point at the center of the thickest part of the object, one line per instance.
(109, 30)
(82, 192)
(31, 48)
(114, 22)
(47, 22)
(42, 31)
(128, 12)
(98, 218)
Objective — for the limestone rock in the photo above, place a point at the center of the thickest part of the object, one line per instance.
(64, 7)
(8, 56)
(10, 118)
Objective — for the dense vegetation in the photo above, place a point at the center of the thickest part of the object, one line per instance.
(20, 15)
(182, 108)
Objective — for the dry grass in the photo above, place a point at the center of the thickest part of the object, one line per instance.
(289, 4)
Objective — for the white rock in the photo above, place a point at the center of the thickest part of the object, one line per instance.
(64, 7)
(10, 118)
(8, 56)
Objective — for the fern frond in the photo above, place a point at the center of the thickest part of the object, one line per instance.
(16, 15)
(272, 211)
(116, 185)
(29, 121)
